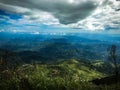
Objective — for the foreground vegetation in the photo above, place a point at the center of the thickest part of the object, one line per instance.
(63, 75)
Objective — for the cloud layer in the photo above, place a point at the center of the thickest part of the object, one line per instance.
(66, 11)
(85, 14)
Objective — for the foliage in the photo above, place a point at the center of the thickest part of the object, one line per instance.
(64, 75)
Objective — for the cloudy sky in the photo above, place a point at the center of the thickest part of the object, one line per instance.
(60, 15)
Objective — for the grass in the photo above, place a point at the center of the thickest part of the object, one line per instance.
(66, 75)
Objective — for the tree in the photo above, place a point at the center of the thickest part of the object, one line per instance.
(113, 57)
(3, 60)
(5, 56)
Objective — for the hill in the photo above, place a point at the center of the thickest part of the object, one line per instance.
(74, 68)
(47, 47)
(61, 75)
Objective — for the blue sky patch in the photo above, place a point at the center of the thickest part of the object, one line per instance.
(10, 15)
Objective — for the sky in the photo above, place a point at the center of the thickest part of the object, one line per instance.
(39, 16)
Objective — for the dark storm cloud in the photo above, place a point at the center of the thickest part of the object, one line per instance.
(66, 11)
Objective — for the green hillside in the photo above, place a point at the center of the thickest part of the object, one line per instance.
(73, 68)
(62, 75)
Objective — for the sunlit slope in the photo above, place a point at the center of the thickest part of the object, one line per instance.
(61, 75)
(77, 70)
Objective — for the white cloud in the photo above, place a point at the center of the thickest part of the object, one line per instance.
(104, 16)
(84, 14)
(29, 16)
(2, 30)
(35, 32)
(66, 11)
